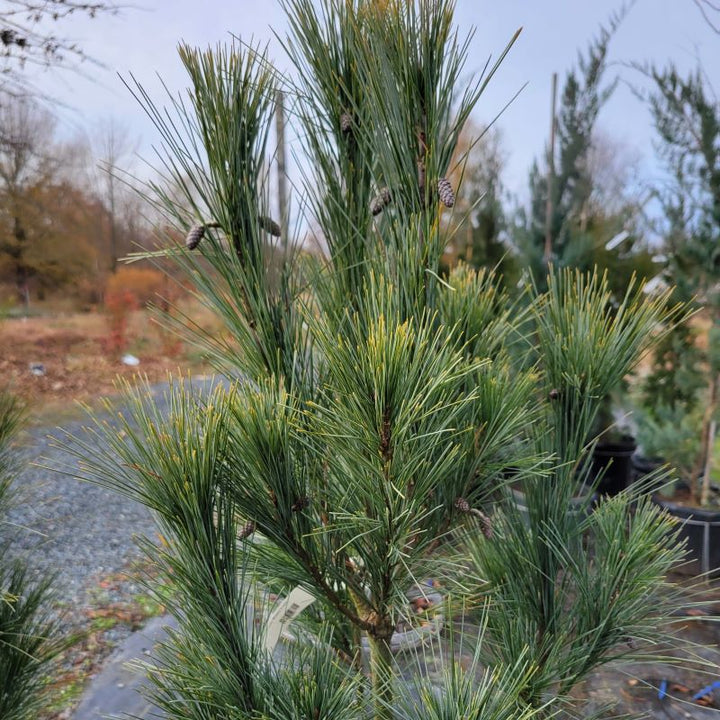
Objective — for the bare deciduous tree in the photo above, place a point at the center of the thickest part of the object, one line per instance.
(710, 11)
(28, 36)
(115, 147)
(26, 131)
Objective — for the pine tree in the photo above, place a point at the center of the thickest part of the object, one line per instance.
(374, 407)
(687, 121)
(579, 227)
(582, 98)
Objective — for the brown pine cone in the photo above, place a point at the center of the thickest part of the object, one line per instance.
(269, 226)
(246, 530)
(462, 505)
(345, 123)
(194, 236)
(485, 523)
(445, 192)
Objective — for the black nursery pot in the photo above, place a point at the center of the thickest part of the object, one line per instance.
(701, 528)
(614, 462)
(642, 467)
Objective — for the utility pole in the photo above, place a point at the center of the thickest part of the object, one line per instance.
(550, 177)
(281, 176)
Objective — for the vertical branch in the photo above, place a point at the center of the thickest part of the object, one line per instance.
(381, 674)
(704, 463)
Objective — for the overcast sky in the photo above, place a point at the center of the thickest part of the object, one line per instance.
(143, 42)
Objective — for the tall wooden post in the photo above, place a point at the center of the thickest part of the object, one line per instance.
(281, 176)
(551, 176)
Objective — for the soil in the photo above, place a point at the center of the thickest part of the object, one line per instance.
(683, 496)
(687, 685)
(52, 362)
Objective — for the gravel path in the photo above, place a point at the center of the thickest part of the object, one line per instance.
(85, 535)
(73, 528)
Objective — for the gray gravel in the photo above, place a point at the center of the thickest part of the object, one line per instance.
(73, 528)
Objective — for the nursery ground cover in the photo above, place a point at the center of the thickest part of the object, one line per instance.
(85, 536)
(631, 691)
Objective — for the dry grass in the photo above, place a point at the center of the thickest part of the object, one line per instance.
(73, 349)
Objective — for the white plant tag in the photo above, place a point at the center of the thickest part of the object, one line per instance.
(284, 613)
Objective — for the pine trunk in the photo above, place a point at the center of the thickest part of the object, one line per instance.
(381, 675)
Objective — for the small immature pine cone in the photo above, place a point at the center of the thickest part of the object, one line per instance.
(485, 523)
(196, 234)
(554, 394)
(300, 504)
(445, 192)
(269, 226)
(345, 123)
(246, 530)
(462, 505)
(380, 201)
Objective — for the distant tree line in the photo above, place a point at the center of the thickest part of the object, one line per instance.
(65, 215)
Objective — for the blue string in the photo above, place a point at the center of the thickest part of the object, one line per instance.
(706, 690)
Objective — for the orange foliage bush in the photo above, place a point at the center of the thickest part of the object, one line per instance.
(144, 285)
(118, 306)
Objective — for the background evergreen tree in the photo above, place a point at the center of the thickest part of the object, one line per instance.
(582, 98)
(580, 227)
(687, 119)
